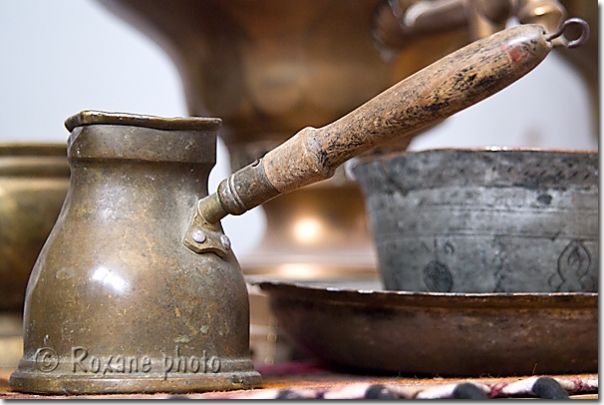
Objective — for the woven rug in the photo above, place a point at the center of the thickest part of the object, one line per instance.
(306, 380)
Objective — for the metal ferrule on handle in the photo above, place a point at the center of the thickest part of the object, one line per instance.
(240, 192)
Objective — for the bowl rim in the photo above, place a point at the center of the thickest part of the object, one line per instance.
(479, 149)
(299, 291)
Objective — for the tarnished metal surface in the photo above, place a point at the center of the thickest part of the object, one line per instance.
(484, 220)
(359, 327)
(115, 302)
(400, 24)
(33, 183)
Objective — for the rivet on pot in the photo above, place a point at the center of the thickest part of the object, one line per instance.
(226, 242)
(198, 236)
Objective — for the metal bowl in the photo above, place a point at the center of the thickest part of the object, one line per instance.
(363, 328)
(484, 220)
(34, 178)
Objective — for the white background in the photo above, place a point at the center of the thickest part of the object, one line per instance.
(62, 56)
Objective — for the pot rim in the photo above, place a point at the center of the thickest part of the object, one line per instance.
(94, 117)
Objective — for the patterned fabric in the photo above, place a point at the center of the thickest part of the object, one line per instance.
(536, 387)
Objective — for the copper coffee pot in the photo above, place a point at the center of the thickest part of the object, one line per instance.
(137, 288)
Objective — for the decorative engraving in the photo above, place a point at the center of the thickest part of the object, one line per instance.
(500, 264)
(573, 265)
(46, 359)
(437, 277)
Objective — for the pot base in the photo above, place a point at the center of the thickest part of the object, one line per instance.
(70, 384)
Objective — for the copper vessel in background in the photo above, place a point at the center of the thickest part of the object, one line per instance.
(33, 182)
(401, 22)
(269, 68)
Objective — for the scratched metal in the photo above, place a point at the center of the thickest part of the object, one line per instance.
(484, 220)
(116, 303)
(361, 328)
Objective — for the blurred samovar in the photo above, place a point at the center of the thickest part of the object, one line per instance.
(269, 68)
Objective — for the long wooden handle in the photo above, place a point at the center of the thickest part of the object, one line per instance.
(442, 89)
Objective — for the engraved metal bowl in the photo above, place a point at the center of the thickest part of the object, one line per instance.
(484, 220)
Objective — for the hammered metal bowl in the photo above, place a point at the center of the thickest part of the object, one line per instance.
(34, 178)
(484, 220)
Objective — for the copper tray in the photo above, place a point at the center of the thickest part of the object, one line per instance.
(359, 327)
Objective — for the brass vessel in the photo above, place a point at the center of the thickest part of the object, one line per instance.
(33, 183)
(33, 178)
(115, 302)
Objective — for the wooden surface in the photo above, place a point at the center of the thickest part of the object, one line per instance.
(311, 378)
